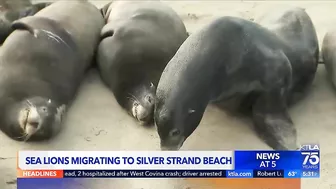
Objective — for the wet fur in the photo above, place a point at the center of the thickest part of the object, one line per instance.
(235, 58)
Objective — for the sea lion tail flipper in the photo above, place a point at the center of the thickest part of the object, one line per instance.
(105, 34)
(105, 10)
(21, 24)
(106, 31)
(273, 123)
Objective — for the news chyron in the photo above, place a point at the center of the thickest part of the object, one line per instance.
(302, 163)
(270, 162)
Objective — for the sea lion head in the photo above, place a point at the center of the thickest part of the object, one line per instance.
(39, 118)
(141, 103)
(175, 122)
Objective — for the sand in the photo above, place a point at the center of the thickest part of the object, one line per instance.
(96, 122)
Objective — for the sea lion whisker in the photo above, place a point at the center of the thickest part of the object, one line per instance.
(134, 97)
(133, 100)
(27, 137)
(30, 104)
(130, 98)
(23, 135)
(25, 121)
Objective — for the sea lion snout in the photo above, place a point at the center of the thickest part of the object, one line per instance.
(165, 148)
(172, 144)
(30, 121)
(143, 111)
(33, 117)
(171, 139)
(140, 112)
(143, 102)
(170, 148)
(38, 118)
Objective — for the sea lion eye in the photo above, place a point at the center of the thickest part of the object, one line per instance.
(44, 109)
(175, 132)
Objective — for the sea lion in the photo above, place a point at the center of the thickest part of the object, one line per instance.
(329, 54)
(14, 4)
(14, 10)
(139, 39)
(42, 65)
(232, 57)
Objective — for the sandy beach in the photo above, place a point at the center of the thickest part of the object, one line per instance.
(96, 122)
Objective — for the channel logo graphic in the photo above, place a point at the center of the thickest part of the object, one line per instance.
(310, 161)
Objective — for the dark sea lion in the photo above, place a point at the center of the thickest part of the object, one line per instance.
(139, 39)
(329, 54)
(42, 65)
(14, 10)
(232, 57)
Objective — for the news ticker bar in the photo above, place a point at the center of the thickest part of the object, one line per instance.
(168, 174)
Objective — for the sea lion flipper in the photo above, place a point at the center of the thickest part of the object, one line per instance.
(105, 34)
(107, 31)
(105, 10)
(21, 24)
(273, 123)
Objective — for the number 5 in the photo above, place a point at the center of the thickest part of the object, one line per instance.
(314, 159)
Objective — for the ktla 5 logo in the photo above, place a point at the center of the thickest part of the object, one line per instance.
(311, 157)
